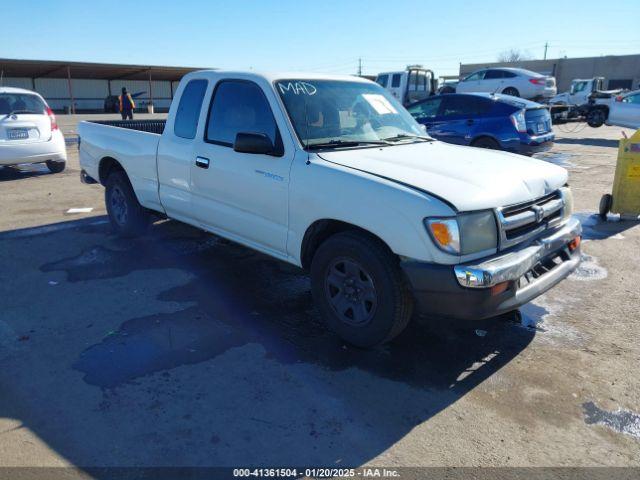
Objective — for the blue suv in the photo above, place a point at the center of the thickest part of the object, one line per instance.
(500, 122)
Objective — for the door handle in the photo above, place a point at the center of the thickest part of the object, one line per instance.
(202, 162)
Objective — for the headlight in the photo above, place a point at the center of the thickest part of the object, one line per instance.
(567, 196)
(465, 234)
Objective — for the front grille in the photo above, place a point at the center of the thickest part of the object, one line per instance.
(526, 220)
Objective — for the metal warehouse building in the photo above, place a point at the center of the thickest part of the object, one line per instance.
(619, 71)
(83, 87)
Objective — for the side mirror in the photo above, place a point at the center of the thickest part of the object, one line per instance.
(247, 142)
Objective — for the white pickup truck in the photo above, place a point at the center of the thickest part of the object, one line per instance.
(332, 174)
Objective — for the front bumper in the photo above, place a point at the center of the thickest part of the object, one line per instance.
(464, 291)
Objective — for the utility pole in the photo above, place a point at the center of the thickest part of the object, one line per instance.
(546, 45)
(360, 67)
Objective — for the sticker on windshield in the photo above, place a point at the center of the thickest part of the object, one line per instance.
(379, 103)
(298, 88)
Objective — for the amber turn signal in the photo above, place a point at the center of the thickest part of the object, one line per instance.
(499, 288)
(575, 243)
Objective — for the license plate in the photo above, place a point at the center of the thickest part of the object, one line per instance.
(18, 134)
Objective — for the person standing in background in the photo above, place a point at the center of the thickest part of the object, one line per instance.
(126, 104)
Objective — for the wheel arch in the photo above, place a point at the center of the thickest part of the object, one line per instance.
(320, 230)
(481, 136)
(106, 166)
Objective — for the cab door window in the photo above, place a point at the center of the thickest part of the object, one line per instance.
(240, 106)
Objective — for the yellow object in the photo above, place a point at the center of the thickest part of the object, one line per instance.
(626, 183)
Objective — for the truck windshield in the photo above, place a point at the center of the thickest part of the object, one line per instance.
(334, 113)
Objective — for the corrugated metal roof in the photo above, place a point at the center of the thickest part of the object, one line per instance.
(104, 71)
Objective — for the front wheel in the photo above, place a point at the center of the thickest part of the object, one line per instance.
(56, 167)
(360, 290)
(128, 218)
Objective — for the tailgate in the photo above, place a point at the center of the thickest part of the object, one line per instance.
(23, 119)
(538, 121)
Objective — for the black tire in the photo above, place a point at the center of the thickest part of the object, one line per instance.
(56, 167)
(486, 142)
(391, 302)
(511, 91)
(128, 218)
(605, 205)
(596, 118)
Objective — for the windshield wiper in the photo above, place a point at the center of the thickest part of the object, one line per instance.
(346, 143)
(404, 136)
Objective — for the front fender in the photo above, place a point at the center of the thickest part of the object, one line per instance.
(321, 190)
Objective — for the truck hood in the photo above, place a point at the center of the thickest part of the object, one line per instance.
(468, 178)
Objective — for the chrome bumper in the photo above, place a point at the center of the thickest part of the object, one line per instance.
(513, 265)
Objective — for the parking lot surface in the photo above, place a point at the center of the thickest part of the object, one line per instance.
(182, 349)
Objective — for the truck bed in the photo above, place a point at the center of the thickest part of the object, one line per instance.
(133, 144)
(149, 126)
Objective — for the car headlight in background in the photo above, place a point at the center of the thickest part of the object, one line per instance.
(567, 196)
(465, 234)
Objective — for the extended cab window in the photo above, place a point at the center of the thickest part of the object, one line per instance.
(186, 122)
(395, 80)
(239, 106)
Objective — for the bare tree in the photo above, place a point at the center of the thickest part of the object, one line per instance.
(514, 55)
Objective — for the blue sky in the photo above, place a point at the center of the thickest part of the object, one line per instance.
(325, 36)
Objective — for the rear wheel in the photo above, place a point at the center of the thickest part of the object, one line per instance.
(486, 142)
(56, 167)
(128, 218)
(511, 91)
(360, 290)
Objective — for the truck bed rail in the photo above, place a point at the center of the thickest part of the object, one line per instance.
(149, 126)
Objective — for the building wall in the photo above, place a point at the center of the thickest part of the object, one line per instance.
(622, 67)
(90, 94)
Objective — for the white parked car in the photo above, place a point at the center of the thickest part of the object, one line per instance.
(516, 82)
(28, 131)
(624, 111)
(332, 174)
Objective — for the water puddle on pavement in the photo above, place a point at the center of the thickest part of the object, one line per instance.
(158, 342)
(238, 297)
(589, 270)
(622, 421)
